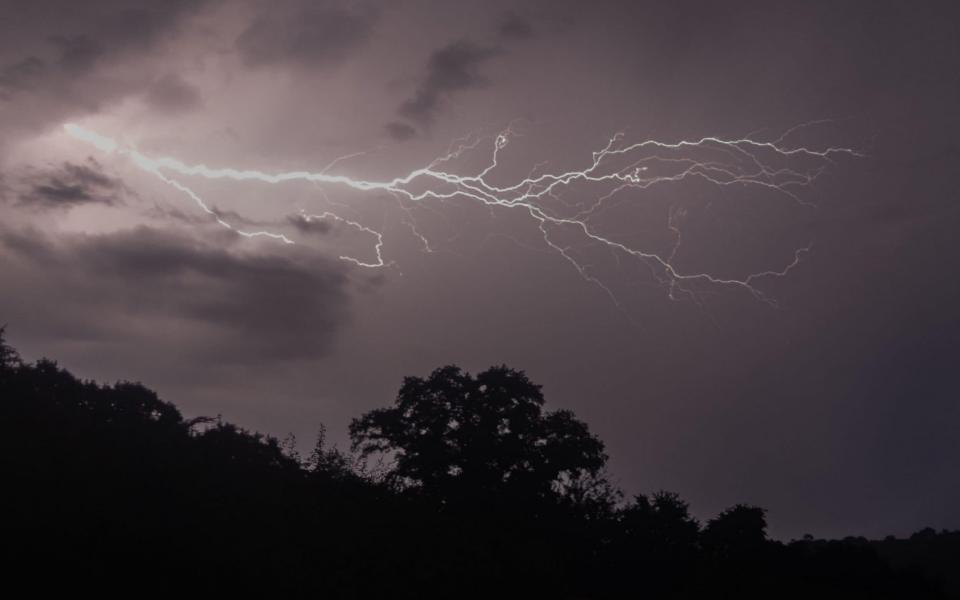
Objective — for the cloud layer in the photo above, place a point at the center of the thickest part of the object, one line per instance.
(309, 34)
(181, 295)
(70, 185)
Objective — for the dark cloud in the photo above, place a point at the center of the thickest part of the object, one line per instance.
(77, 53)
(21, 75)
(309, 226)
(317, 35)
(70, 185)
(171, 94)
(141, 23)
(453, 68)
(49, 69)
(81, 36)
(514, 26)
(400, 131)
(174, 293)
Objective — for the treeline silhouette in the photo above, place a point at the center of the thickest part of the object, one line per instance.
(466, 487)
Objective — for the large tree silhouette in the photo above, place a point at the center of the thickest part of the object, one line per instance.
(458, 437)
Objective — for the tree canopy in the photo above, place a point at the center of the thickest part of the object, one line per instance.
(457, 436)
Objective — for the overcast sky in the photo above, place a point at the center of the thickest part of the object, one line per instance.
(827, 395)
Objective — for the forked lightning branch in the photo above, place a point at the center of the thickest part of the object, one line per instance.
(616, 168)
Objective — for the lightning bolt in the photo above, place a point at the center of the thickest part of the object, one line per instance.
(618, 166)
(378, 247)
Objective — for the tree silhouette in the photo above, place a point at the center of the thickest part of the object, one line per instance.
(456, 436)
(739, 530)
(110, 488)
(9, 359)
(661, 522)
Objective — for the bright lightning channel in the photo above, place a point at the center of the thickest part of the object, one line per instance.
(744, 161)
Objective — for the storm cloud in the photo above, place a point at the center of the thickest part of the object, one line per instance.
(191, 297)
(450, 69)
(171, 94)
(314, 34)
(514, 26)
(51, 63)
(70, 185)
